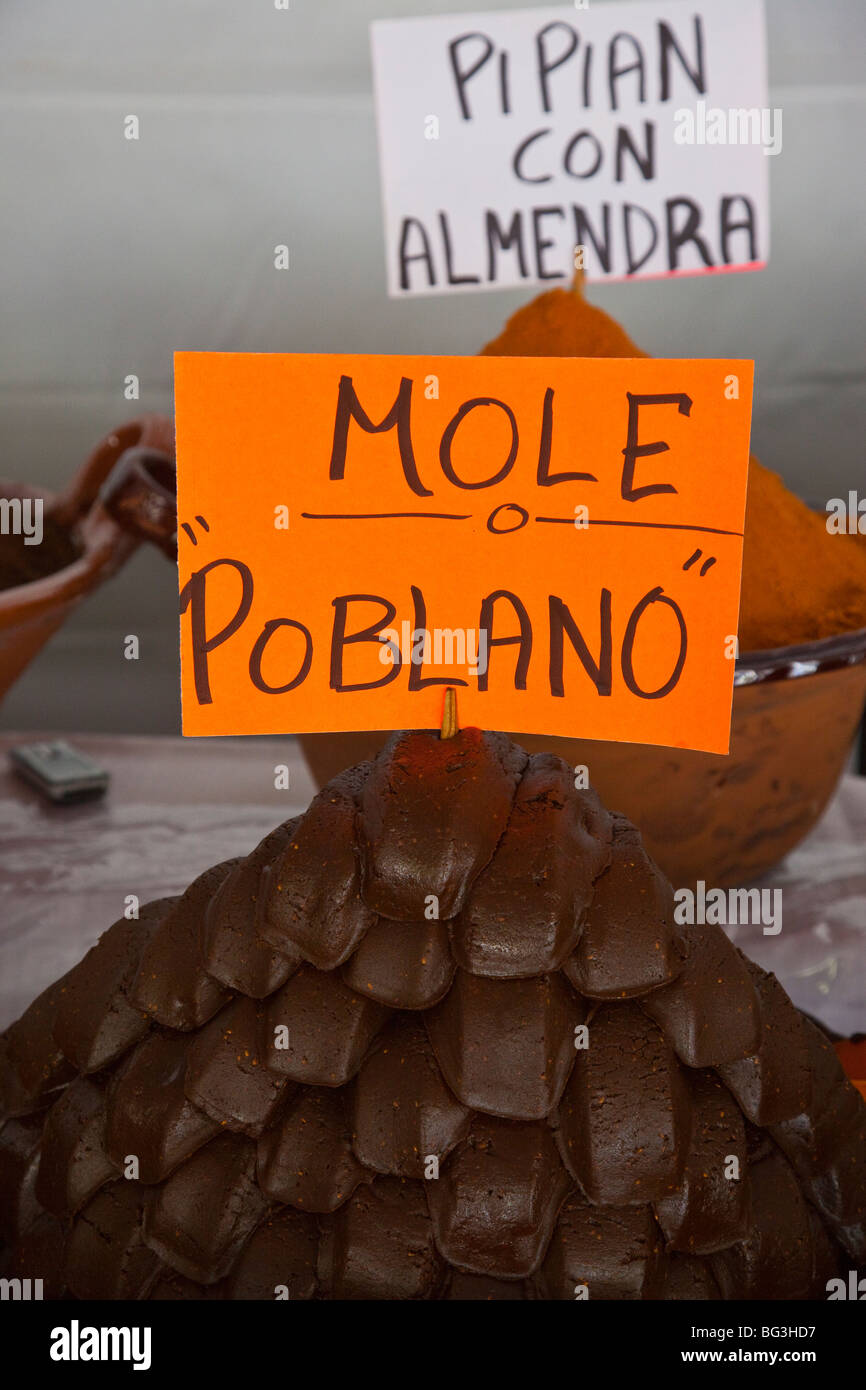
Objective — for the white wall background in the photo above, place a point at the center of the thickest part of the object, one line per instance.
(257, 128)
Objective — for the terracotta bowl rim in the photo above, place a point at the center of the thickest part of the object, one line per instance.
(801, 658)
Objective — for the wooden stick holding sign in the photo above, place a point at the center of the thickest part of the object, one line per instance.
(559, 538)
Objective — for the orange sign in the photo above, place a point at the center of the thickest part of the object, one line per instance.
(559, 538)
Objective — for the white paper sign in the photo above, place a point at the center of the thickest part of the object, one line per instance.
(639, 132)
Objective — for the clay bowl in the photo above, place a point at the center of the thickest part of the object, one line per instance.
(122, 494)
(723, 819)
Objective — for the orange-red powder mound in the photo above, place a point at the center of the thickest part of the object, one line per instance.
(800, 582)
